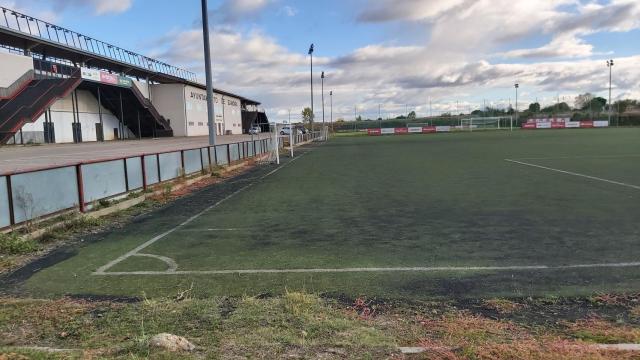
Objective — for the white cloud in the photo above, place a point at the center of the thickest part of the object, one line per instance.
(462, 28)
(289, 11)
(50, 11)
(103, 7)
(566, 46)
(451, 65)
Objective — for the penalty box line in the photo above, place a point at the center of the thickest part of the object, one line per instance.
(574, 174)
(378, 269)
(102, 270)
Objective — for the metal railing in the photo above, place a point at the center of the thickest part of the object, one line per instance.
(35, 27)
(34, 194)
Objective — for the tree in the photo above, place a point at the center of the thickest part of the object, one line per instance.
(562, 107)
(359, 118)
(307, 115)
(412, 115)
(534, 108)
(598, 104)
(622, 105)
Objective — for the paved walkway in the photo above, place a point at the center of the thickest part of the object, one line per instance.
(20, 158)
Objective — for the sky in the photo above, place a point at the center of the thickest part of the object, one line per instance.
(426, 56)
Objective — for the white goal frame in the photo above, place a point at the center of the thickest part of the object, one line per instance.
(486, 123)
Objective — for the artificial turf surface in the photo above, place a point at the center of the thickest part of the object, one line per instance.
(446, 200)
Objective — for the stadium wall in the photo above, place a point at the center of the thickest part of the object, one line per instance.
(13, 67)
(186, 107)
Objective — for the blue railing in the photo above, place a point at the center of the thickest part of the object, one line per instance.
(17, 21)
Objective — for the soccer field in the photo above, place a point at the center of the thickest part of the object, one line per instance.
(421, 216)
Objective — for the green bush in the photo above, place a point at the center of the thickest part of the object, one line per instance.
(12, 244)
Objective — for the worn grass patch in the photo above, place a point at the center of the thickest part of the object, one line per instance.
(599, 331)
(13, 244)
(295, 325)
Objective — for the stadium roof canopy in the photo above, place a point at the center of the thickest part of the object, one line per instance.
(31, 34)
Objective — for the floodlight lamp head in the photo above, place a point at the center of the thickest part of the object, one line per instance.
(311, 49)
(517, 86)
(322, 76)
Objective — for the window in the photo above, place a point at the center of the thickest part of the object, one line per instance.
(200, 124)
(191, 123)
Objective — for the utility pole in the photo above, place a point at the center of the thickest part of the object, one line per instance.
(355, 117)
(209, 76)
(379, 116)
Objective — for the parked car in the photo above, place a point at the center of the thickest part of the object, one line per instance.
(285, 130)
(255, 130)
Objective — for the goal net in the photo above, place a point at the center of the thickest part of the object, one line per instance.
(485, 123)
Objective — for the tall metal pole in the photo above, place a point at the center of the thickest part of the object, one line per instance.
(322, 79)
(311, 48)
(209, 75)
(331, 100)
(379, 116)
(517, 86)
(610, 66)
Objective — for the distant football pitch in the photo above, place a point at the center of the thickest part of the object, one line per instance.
(418, 216)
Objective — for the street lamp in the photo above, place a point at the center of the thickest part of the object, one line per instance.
(610, 66)
(312, 113)
(517, 86)
(207, 66)
(322, 80)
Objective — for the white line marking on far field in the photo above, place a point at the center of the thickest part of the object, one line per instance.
(379, 269)
(574, 174)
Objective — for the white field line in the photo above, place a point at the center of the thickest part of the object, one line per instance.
(212, 230)
(101, 270)
(574, 174)
(172, 265)
(380, 269)
(581, 157)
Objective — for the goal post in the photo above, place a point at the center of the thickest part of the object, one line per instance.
(486, 123)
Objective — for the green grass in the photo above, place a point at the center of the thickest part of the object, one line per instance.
(400, 201)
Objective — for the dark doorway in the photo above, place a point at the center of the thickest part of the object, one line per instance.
(115, 134)
(49, 133)
(99, 133)
(77, 132)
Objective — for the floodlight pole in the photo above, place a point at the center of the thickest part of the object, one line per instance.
(322, 80)
(610, 66)
(517, 86)
(379, 116)
(311, 48)
(207, 66)
(331, 101)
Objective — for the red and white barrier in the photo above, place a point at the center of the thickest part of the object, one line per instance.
(585, 124)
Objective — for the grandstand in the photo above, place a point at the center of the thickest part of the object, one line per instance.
(60, 86)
